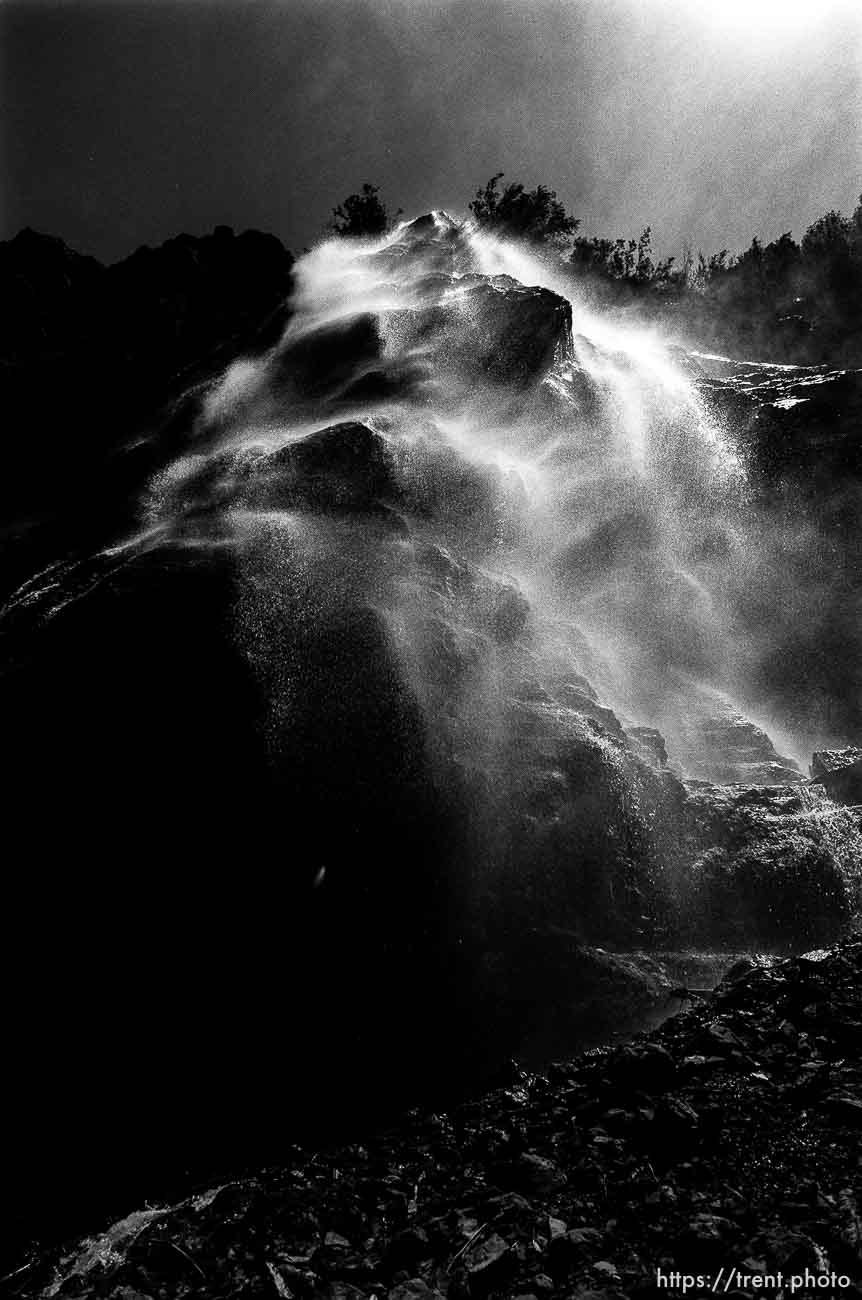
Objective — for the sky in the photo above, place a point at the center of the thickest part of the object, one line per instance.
(125, 122)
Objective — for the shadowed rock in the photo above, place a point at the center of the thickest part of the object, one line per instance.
(730, 748)
(840, 773)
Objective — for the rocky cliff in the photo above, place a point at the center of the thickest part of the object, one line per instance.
(416, 653)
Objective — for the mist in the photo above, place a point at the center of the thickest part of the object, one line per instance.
(615, 507)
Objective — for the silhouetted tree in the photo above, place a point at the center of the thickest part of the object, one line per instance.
(361, 214)
(707, 270)
(626, 261)
(856, 228)
(535, 215)
(828, 237)
(783, 300)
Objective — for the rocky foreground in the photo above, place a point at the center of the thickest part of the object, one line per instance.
(726, 1140)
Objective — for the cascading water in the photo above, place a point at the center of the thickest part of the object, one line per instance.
(494, 558)
(569, 458)
(346, 756)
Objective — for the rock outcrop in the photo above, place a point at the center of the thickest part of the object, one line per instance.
(768, 867)
(806, 418)
(839, 772)
(729, 748)
(797, 433)
(182, 299)
(94, 361)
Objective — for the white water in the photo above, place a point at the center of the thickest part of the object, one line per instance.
(608, 493)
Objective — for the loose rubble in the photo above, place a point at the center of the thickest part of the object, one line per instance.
(727, 1139)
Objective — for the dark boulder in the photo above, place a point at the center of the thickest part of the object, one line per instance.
(514, 333)
(345, 465)
(324, 362)
(839, 772)
(806, 425)
(477, 504)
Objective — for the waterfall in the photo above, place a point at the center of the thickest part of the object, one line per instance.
(565, 456)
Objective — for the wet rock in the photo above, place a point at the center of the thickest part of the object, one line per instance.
(791, 1250)
(509, 614)
(530, 1174)
(489, 602)
(343, 466)
(319, 364)
(335, 1239)
(414, 1289)
(718, 1037)
(649, 742)
(706, 1240)
(777, 871)
(606, 1270)
(514, 332)
(730, 748)
(839, 772)
(570, 1249)
(806, 422)
(586, 704)
(539, 1174)
(742, 968)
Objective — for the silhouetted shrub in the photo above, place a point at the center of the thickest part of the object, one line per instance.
(361, 214)
(535, 215)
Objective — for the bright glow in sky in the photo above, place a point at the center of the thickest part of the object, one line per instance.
(709, 120)
(777, 19)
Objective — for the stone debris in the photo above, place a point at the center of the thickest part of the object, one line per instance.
(727, 1138)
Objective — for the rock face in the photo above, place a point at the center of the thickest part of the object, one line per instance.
(806, 417)
(50, 294)
(516, 332)
(776, 866)
(839, 772)
(186, 296)
(91, 355)
(797, 430)
(731, 749)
